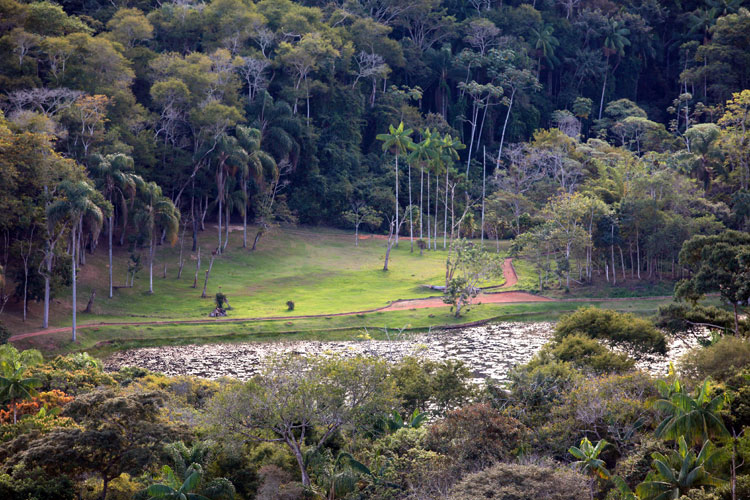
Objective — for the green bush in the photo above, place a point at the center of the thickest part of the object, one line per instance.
(635, 334)
(587, 354)
(718, 361)
(440, 386)
(514, 482)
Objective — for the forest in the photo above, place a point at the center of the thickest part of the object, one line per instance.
(582, 161)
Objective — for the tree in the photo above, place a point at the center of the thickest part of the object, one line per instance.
(156, 215)
(230, 157)
(116, 434)
(735, 140)
(14, 385)
(468, 266)
(614, 42)
(361, 214)
(295, 396)
(717, 263)
(398, 142)
(79, 200)
(692, 418)
(517, 179)
(118, 184)
(259, 165)
(174, 489)
(588, 461)
(675, 474)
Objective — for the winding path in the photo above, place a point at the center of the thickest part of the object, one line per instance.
(502, 297)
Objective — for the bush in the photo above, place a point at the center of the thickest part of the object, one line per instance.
(513, 482)
(290, 305)
(588, 354)
(719, 361)
(422, 384)
(476, 436)
(622, 329)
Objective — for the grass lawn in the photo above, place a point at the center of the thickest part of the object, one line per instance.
(319, 269)
(106, 339)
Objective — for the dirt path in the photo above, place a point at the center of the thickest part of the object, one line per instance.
(506, 297)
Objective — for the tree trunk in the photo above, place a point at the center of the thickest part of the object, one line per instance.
(484, 182)
(226, 223)
(182, 244)
(194, 223)
(736, 321)
(437, 204)
(73, 270)
(110, 255)
(421, 207)
(208, 272)
(505, 126)
(445, 218)
(397, 226)
(429, 229)
(47, 275)
(244, 215)
(218, 249)
(411, 214)
(604, 89)
(356, 234)
(90, 303)
(197, 268)
(151, 265)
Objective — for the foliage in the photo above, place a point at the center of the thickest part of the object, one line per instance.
(719, 361)
(636, 334)
(695, 418)
(507, 481)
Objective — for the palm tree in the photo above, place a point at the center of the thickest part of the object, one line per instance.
(692, 417)
(588, 459)
(174, 489)
(118, 184)
(615, 41)
(13, 385)
(229, 156)
(545, 43)
(259, 163)
(420, 153)
(448, 153)
(396, 141)
(682, 470)
(79, 200)
(157, 213)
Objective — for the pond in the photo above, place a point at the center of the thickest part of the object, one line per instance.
(490, 351)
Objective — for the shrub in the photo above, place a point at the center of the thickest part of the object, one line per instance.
(512, 482)
(718, 361)
(220, 299)
(476, 436)
(290, 305)
(422, 384)
(587, 354)
(623, 329)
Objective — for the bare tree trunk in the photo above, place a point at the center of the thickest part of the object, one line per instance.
(226, 223)
(484, 183)
(622, 263)
(90, 304)
(421, 207)
(151, 265)
(197, 268)
(73, 271)
(429, 228)
(208, 272)
(109, 237)
(505, 126)
(218, 249)
(445, 218)
(397, 225)
(437, 204)
(164, 275)
(182, 244)
(411, 213)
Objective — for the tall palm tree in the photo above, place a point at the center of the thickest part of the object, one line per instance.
(397, 141)
(675, 474)
(614, 43)
(229, 157)
(448, 153)
(545, 43)
(420, 154)
(259, 164)
(693, 417)
(78, 200)
(118, 183)
(157, 213)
